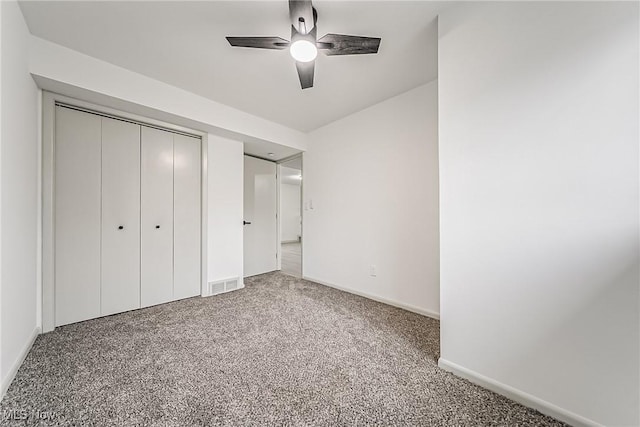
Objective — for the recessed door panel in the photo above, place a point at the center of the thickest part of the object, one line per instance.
(120, 216)
(260, 240)
(186, 220)
(156, 217)
(77, 216)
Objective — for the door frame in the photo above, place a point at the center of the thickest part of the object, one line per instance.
(47, 157)
(279, 216)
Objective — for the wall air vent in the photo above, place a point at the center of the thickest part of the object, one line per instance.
(223, 286)
(216, 288)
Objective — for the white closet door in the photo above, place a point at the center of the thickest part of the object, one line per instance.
(156, 217)
(120, 216)
(77, 216)
(186, 217)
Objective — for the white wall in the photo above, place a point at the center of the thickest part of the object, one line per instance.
(290, 226)
(372, 178)
(77, 75)
(18, 193)
(225, 208)
(73, 72)
(539, 203)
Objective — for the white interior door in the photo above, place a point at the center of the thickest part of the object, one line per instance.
(77, 216)
(120, 216)
(186, 217)
(156, 233)
(260, 232)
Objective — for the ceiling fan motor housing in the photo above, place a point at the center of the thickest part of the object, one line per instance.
(295, 36)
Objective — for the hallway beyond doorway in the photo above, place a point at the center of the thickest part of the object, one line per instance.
(292, 258)
(290, 216)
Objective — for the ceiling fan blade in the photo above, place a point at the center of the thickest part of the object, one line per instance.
(340, 44)
(302, 15)
(259, 42)
(305, 72)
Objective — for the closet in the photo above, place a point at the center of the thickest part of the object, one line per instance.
(127, 215)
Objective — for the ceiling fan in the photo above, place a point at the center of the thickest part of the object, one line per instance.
(304, 44)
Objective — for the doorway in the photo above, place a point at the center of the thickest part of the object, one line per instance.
(260, 216)
(291, 216)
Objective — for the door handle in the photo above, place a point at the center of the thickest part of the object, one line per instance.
(245, 223)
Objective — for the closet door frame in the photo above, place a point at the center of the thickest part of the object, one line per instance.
(46, 234)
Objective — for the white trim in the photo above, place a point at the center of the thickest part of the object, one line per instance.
(39, 215)
(517, 395)
(6, 381)
(278, 218)
(408, 307)
(204, 218)
(1, 144)
(47, 212)
(142, 120)
(302, 215)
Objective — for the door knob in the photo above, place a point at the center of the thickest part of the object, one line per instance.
(245, 223)
(121, 227)
(157, 226)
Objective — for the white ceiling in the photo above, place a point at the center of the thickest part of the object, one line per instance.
(182, 44)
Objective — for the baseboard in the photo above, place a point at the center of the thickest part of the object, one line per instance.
(6, 382)
(517, 395)
(387, 301)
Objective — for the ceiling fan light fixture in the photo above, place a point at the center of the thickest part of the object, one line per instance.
(304, 44)
(303, 50)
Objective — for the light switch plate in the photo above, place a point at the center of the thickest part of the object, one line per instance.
(373, 271)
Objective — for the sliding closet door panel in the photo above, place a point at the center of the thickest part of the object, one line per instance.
(120, 216)
(186, 221)
(77, 216)
(157, 217)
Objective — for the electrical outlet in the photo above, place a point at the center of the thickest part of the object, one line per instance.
(373, 271)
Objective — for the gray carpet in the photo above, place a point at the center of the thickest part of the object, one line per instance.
(282, 351)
